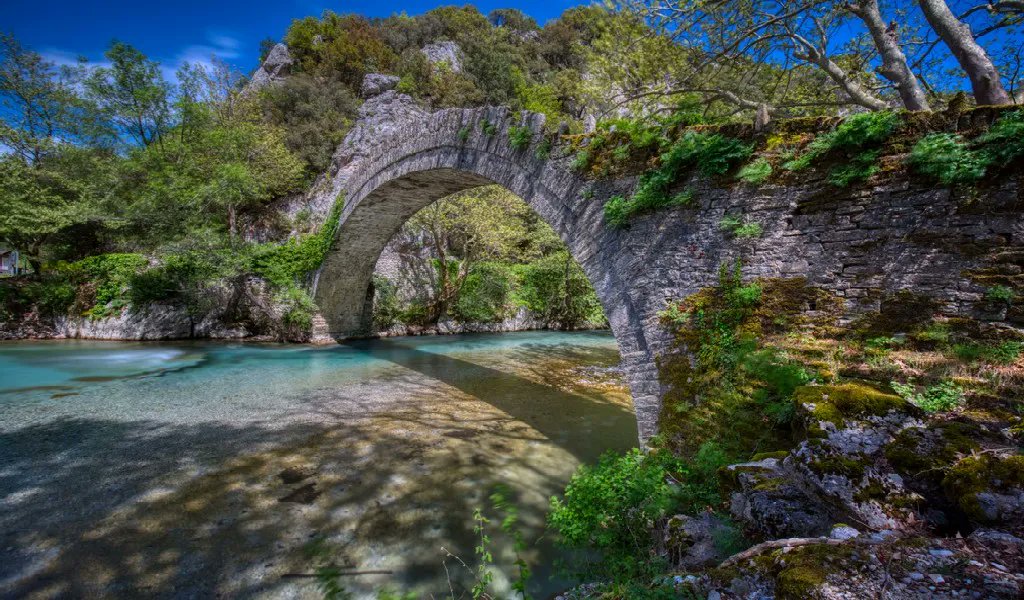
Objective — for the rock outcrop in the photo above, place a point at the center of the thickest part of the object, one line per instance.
(375, 84)
(276, 67)
(444, 53)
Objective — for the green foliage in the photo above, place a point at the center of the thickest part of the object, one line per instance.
(287, 264)
(180, 277)
(107, 278)
(1003, 353)
(741, 229)
(581, 161)
(941, 397)
(386, 308)
(519, 137)
(464, 134)
(860, 167)
(1003, 143)
(946, 158)
(609, 508)
(488, 128)
(51, 296)
(555, 288)
(337, 47)
(857, 140)
(709, 153)
(485, 294)
(1000, 293)
(745, 391)
(313, 116)
(297, 309)
(756, 172)
(543, 149)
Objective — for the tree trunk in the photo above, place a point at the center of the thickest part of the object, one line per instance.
(231, 221)
(985, 83)
(854, 90)
(894, 61)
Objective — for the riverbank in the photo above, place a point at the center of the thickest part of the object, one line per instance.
(184, 469)
(169, 323)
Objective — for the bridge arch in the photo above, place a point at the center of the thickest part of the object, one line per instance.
(454, 150)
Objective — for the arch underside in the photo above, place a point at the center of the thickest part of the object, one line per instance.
(421, 169)
(344, 285)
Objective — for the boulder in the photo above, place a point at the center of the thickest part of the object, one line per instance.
(447, 53)
(375, 84)
(770, 504)
(694, 542)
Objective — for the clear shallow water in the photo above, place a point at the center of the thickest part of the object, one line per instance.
(154, 468)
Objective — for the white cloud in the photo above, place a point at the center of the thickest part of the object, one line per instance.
(220, 45)
(223, 47)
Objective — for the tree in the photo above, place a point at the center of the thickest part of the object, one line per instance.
(957, 35)
(41, 200)
(894, 65)
(462, 230)
(133, 94)
(40, 105)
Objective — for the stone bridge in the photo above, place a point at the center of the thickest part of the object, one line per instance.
(863, 244)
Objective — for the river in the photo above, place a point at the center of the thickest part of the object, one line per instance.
(195, 470)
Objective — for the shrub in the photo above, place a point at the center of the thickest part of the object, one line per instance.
(581, 161)
(745, 392)
(463, 134)
(1003, 353)
(945, 158)
(740, 228)
(109, 277)
(710, 153)
(1000, 293)
(859, 167)
(617, 211)
(1004, 142)
(297, 310)
(543, 149)
(610, 508)
(519, 137)
(489, 128)
(484, 294)
(181, 277)
(748, 230)
(941, 397)
(386, 309)
(286, 264)
(857, 138)
(557, 290)
(756, 172)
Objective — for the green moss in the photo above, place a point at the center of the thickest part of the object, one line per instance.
(973, 475)
(779, 454)
(800, 572)
(836, 403)
(769, 484)
(910, 456)
(874, 490)
(798, 582)
(902, 312)
(848, 466)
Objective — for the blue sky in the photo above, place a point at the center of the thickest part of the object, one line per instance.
(192, 30)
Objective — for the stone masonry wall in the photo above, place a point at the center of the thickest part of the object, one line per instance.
(865, 244)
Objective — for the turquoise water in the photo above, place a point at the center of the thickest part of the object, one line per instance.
(153, 468)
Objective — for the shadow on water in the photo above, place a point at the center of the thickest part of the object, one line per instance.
(584, 417)
(102, 508)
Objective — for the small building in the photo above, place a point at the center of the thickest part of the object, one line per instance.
(10, 262)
